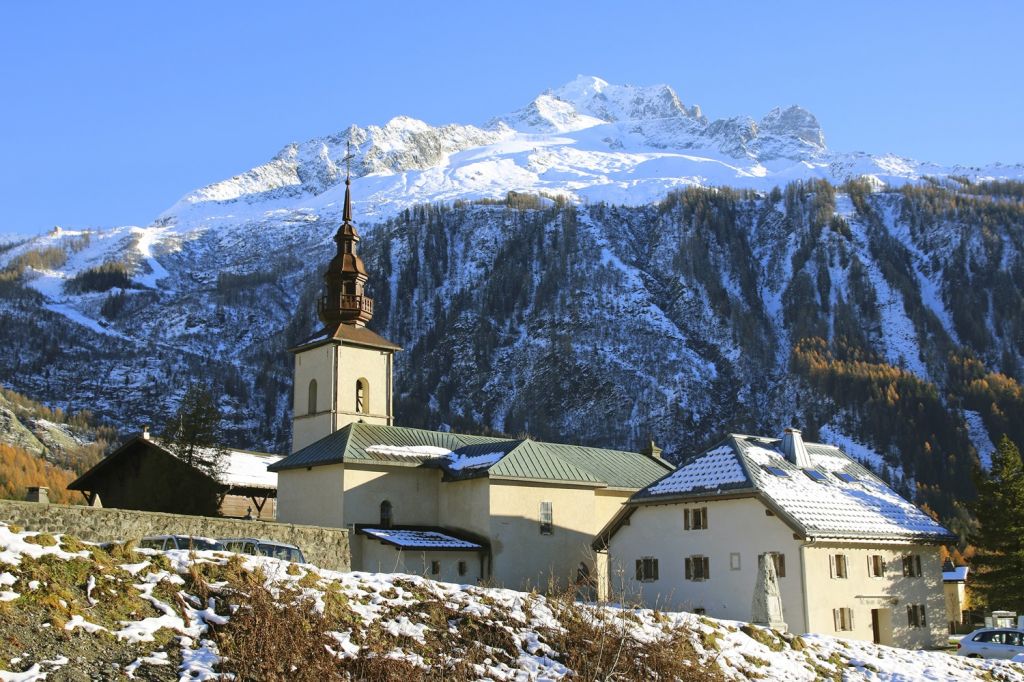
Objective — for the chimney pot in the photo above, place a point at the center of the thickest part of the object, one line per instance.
(40, 494)
(651, 450)
(793, 448)
(145, 432)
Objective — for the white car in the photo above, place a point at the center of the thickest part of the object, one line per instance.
(992, 643)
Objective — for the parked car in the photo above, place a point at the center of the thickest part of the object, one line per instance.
(179, 542)
(992, 643)
(261, 547)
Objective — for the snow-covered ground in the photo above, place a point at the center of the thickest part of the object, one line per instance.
(393, 605)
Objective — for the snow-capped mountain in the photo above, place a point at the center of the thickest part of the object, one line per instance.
(608, 299)
(587, 141)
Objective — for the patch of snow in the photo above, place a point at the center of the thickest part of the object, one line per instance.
(980, 439)
(417, 451)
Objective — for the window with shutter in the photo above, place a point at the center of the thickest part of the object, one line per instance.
(646, 569)
(838, 565)
(876, 566)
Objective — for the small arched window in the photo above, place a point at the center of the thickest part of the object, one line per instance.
(385, 514)
(362, 397)
(311, 400)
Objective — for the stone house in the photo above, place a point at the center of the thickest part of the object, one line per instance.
(854, 559)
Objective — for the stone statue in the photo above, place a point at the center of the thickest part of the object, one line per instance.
(767, 606)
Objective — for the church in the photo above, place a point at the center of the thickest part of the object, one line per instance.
(512, 512)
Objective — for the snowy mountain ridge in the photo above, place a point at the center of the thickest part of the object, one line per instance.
(587, 141)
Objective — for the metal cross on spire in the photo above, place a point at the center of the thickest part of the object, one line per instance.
(348, 159)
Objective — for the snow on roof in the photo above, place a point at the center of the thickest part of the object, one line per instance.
(249, 469)
(459, 462)
(843, 500)
(417, 451)
(958, 574)
(419, 539)
(241, 468)
(717, 468)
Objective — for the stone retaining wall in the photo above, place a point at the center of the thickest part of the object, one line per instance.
(325, 547)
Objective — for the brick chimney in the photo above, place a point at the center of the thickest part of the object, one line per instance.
(793, 449)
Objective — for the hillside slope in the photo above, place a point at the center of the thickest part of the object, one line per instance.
(158, 616)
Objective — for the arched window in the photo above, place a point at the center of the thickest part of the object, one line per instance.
(311, 400)
(385, 514)
(362, 397)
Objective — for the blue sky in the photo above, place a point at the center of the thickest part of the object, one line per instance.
(112, 110)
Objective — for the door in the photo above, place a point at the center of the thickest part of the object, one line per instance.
(876, 627)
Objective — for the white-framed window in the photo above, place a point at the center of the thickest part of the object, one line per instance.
(912, 565)
(779, 559)
(698, 568)
(646, 569)
(876, 566)
(734, 561)
(837, 565)
(547, 519)
(843, 619)
(695, 519)
(915, 616)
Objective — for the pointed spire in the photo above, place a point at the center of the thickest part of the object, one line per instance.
(344, 301)
(346, 214)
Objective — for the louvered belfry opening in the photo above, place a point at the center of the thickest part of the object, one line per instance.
(344, 300)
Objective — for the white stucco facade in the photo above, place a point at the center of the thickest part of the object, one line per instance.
(344, 374)
(813, 588)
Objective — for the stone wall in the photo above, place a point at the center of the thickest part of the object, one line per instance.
(325, 547)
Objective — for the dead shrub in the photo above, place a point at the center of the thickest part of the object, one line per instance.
(599, 645)
(276, 638)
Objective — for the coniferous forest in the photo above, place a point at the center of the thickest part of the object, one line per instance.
(889, 317)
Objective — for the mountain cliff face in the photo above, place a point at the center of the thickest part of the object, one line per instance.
(880, 310)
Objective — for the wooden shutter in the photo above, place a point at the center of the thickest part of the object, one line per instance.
(923, 619)
(910, 615)
(689, 568)
(917, 564)
(835, 619)
(707, 567)
(704, 517)
(639, 569)
(906, 566)
(780, 564)
(832, 566)
(654, 569)
(686, 519)
(849, 619)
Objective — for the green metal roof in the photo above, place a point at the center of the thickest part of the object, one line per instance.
(514, 459)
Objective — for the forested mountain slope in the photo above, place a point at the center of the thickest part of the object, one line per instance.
(889, 322)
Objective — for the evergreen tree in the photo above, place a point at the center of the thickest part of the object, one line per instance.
(193, 433)
(998, 578)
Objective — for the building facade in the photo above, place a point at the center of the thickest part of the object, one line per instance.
(853, 558)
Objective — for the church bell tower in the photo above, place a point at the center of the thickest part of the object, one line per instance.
(343, 374)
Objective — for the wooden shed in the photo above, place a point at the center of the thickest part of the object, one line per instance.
(145, 474)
